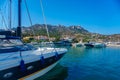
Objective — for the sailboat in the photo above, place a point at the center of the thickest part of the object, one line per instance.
(19, 61)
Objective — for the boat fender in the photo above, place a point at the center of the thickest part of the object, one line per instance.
(42, 60)
(8, 75)
(56, 55)
(22, 66)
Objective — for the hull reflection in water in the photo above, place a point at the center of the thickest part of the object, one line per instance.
(92, 63)
(57, 73)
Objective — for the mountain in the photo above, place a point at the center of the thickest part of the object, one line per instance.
(40, 29)
(77, 33)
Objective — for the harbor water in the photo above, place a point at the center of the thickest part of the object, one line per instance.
(87, 64)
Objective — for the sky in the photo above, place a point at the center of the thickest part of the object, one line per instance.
(98, 16)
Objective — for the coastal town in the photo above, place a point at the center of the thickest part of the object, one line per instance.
(67, 35)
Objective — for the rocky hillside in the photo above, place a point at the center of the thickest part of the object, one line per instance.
(61, 31)
(40, 29)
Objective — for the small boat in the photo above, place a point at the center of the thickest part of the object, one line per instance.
(113, 44)
(77, 45)
(89, 45)
(19, 61)
(63, 43)
(99, 45)
(94, 45)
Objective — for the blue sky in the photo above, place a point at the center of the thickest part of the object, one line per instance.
(100, 16)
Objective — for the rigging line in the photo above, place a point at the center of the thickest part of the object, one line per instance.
(3, 19)
(4, 5)
(29, 17)
(44, 20)
(3, 10)
(10, 14)
(13, 19)
(6, 12)
(46, 24)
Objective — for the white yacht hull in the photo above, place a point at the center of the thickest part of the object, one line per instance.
(33, 67)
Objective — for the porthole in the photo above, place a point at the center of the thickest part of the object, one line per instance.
(8, 75)
(30, 67)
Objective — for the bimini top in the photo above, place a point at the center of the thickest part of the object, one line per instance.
(7, 35)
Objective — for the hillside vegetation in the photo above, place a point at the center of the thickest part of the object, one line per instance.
(77, 33)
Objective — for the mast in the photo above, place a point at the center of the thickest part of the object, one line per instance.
(19, 19)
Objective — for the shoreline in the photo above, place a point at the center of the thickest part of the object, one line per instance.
(113, 45)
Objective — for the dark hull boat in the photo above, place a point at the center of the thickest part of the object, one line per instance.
(24, 62)
(36, 63)
(95, 45)
(89, 45)
(19, 61)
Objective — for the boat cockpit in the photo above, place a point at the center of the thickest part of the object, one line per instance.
(13, 44)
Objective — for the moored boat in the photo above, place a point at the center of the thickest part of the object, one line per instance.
(89, 45)
(19, 61)
(99, 45)
(95, 45)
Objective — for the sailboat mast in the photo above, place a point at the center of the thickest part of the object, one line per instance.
(19, 19)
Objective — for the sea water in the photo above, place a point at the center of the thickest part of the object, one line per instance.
(87, 64)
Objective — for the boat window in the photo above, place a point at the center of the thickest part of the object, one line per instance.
(10, 42)
(13, 45)
(47, 44)
(26, 47)
(16, 41)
